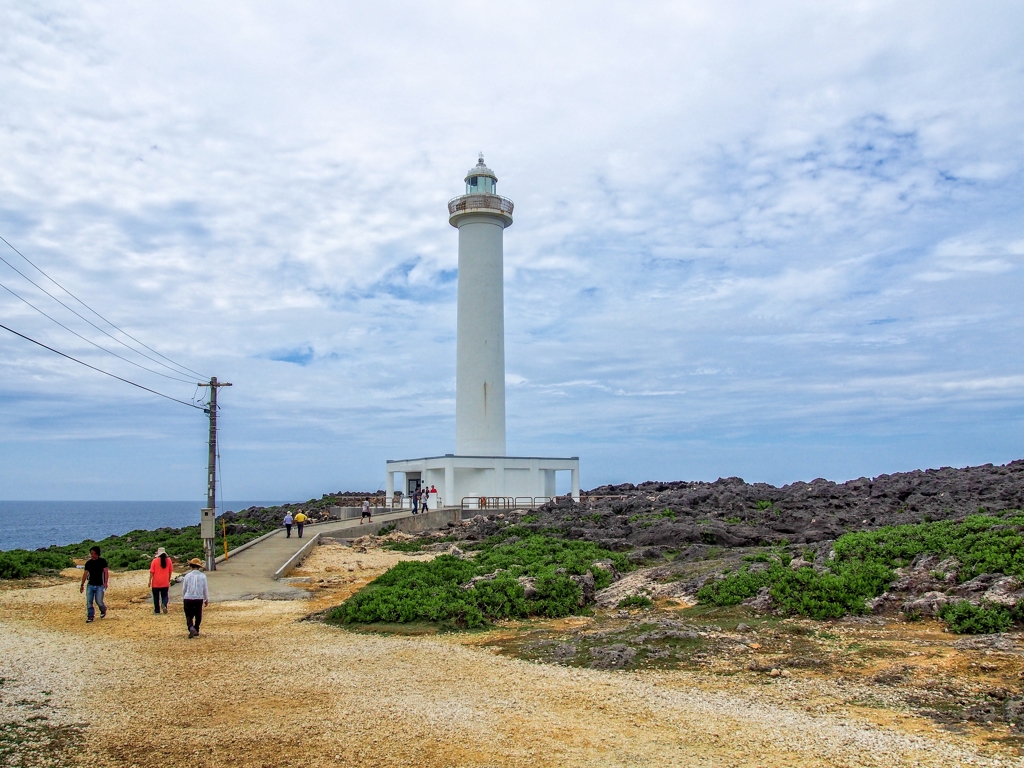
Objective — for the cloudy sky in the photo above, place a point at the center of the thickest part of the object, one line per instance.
(774, 240)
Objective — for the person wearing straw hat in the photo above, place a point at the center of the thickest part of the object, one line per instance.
(160, 572)
(194, 595)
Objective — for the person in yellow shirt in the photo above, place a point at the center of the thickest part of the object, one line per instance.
(300, 521)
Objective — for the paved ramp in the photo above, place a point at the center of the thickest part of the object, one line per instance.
(251, 573)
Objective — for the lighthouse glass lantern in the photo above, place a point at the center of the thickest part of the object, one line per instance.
(481, 180)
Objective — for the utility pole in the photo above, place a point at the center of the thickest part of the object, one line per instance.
(207, 530)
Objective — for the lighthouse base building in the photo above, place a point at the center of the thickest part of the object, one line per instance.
(515, 480)
(479, 471)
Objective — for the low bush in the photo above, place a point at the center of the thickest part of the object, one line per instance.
(437, 591)
(22, 563)
(133, 550)
(967, 619)
(412, 545)
(864, 563)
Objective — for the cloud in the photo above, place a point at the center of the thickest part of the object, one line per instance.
(771, 226)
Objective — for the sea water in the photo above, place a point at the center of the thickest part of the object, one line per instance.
(34, 524)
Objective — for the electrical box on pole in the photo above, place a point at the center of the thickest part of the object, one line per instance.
(207, 527)
(207, 530)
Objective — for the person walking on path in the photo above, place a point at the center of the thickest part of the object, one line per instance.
(300, 522)
(415, 501)
(160, 572)
(366, 511)
(288, 520)
(195, 593)
(98, 574)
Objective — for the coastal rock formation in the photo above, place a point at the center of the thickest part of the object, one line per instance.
(728, 512)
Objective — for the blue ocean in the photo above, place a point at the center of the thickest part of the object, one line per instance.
(34, 524)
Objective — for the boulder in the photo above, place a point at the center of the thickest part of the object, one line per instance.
(1006, 591)
(608, 567)
(883, 603)
(927, 604)
(478, 579)
(586, 584)
(975, 589)
(612, 656)
(529, 585)
(762, 602)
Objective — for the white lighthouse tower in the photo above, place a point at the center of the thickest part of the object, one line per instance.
(479, 468)
(481, 217)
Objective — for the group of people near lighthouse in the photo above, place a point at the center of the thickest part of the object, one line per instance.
(195, 592)
(421, 498)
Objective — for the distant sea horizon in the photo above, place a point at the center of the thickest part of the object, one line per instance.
(35, 524)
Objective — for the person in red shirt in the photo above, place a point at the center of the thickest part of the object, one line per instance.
(160, 572)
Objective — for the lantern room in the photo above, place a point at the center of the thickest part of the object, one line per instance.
(480, 180)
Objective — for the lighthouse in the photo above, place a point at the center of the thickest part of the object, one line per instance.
(479, 473)
(481, 216)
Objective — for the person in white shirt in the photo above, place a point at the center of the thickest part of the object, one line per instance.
(194, 595)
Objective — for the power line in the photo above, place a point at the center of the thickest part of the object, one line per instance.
(90, 322)
(83, 338)
(100, 370)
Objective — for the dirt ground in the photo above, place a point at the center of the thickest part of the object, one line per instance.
(264, 686)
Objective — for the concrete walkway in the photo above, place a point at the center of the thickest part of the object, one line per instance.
(249, 575)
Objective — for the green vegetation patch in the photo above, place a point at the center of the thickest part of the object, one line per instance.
(864, 563)
(22, 563)
(414, 545)
(131, 551)
(440, 590)
(968, 619)
(653, 516)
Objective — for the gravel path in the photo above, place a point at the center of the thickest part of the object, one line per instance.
(262, 688)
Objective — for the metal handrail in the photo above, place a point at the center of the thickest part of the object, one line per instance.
(482, 503)
(471, 202)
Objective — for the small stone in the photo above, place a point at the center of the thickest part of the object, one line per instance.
(774, 673)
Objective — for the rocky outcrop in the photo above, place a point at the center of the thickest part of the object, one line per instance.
(653, 517)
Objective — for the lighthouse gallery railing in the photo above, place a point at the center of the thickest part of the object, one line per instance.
(472, 202)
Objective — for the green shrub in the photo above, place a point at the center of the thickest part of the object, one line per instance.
(436, 591)
(864, 563)
(132, 551)
(965, 618)
(737, 587)
(412, 545)
(22, 563)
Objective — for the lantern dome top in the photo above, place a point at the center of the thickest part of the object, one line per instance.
(480, 169)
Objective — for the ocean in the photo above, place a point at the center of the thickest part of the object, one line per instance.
(34, 524)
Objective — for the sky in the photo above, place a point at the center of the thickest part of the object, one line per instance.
(778, 241)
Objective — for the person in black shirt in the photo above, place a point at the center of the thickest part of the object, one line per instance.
(98, 575)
